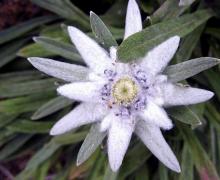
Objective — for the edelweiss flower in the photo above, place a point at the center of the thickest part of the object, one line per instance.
(125, 98)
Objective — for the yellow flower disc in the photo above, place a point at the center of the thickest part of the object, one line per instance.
(124, 91)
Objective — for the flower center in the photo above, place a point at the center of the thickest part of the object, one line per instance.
(124, 91)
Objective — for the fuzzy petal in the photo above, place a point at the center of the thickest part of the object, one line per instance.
(156, 115)
(154, 140)
(119, 137)
(82, 91)
(106, 122)
(67, 72)
(84, 113)
(133, 22)
(181, 95)
(157, 59)
(93, 54)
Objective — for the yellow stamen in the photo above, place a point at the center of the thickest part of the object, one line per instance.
(124, 91)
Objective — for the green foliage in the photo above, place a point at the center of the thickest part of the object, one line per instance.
(29, 104)
(138, 44)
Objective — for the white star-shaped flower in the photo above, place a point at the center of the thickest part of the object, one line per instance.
(125, 98)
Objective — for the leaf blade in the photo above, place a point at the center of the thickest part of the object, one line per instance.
(138, 44)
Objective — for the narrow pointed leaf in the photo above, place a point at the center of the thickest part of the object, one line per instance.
(42, 155)
(213, 78)
(65, 9)
(34, 50)
(26, 88)
(186, 2)
(203, 164)
(90, 144)
(8, 52)
(70, 138)
(188, 44)
(24, 104)
(6, 119)
(169, 9)
(20, 29)
(101, 32)
(184, 70)
(27, 126)
(59, 48)
(20, 76)
(109, 174)
(136, 157)
(187, 165)
(137, 45)
(14, 145)
(51, 106)
(185, 114)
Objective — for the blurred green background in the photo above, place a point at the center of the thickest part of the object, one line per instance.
(29, 104)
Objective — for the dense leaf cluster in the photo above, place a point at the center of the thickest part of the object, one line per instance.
(29, 104)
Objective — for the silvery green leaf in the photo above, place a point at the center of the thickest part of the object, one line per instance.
(131, 163)
(188, 44)
(59, 48)
(66, 9)
(67, 72)
(24, 104)
(187, 164)
(34, 50)
(101, 32)
(189, 68)
(185, 114)
(8, 52)
(37, 159)
(186, 2)
(204, 166)
(20, 76)
(29, 127)
(163, 171)
(51, 106)
(215, 32)
(90, 144)
(109, 174)
(70, 138)
(137, 45)
(14, 145)
(115, 14)
(20, 29)
(213, 79)
(169, 9)
(26, 88)
(6, 119)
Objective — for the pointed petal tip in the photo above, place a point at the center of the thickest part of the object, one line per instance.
(103, 127)
(56, 130)
(78, 163)
(210, 94)
(34, 38)
(177, 168)
(53, 132)
(177, 39)
(168, 126)
(114, 167)
(91, 13)
(72, 29)
(32, 59)
(62, 90)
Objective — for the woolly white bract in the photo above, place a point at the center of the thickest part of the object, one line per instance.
(124, 98)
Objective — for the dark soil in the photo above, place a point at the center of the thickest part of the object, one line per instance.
(15, 11)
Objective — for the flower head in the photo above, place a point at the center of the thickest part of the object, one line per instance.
(126, 98)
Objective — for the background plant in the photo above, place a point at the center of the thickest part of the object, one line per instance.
(29, 104)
